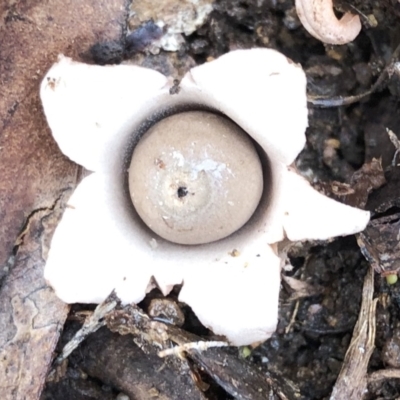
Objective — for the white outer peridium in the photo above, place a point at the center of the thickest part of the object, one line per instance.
(100, 245)
(320, 21)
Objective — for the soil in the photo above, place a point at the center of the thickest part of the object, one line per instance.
(314, 331)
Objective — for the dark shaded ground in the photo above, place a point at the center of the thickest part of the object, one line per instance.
(339, 141)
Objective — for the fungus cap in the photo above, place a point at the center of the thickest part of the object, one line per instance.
(97, 114)
(195, 177)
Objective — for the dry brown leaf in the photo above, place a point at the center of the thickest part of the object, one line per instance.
(368, 178)
(301, 288)
(380, 244)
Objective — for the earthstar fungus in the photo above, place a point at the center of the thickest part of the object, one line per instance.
(97, 115)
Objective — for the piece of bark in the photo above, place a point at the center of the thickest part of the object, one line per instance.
(380, 245)
(237, 377)
(93, 322)
(77, 389)
(115, 359)
(368, 178)
(34, 175)
(139, 372)
(387, 196)
(31, 317)
(379, 242)
(352, 380)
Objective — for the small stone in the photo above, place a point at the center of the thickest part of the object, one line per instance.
(167, 310)
(391, 352)
(173, 17)
(199, 46)
(122, 396)
(142, 37)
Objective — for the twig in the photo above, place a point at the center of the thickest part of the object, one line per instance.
(293, 317)
(92, 324)
(352, 380)
(383, 374)
(396, 143)
(199, 346)
(337, 101)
